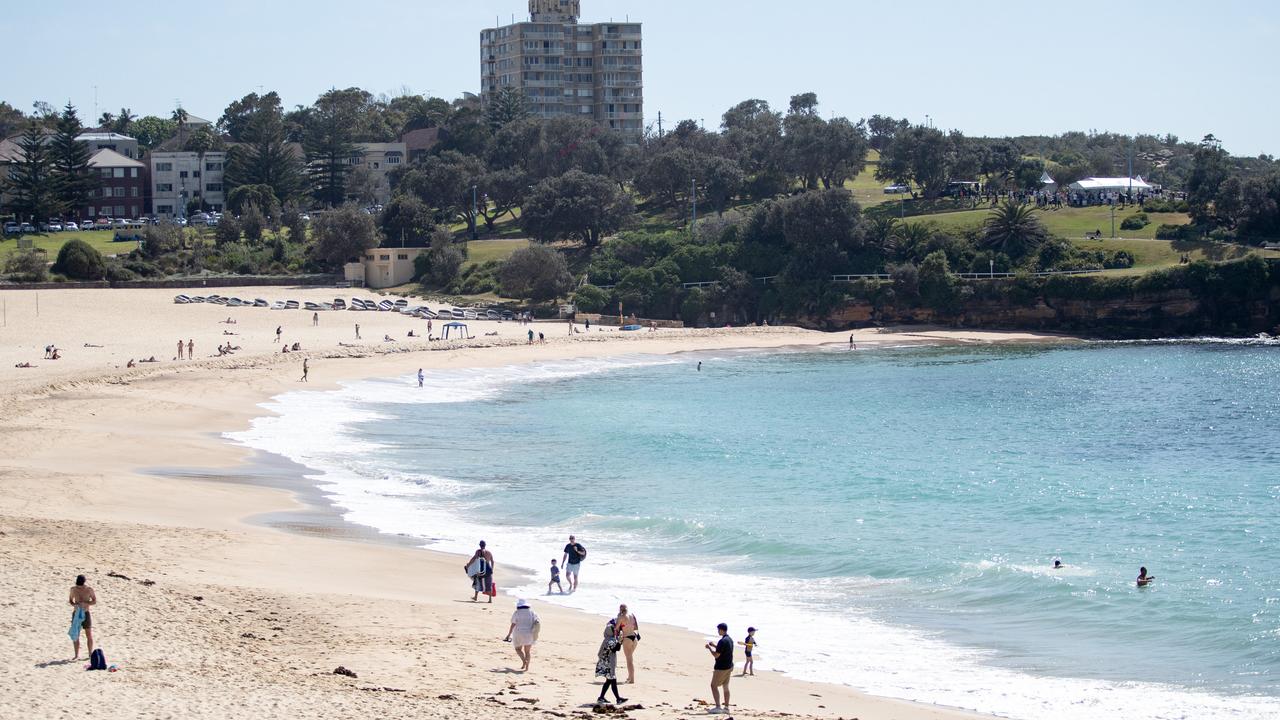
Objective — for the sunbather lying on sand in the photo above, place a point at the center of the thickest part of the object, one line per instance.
(24, 365)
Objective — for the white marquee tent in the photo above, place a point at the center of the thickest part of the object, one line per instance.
(1113, 184)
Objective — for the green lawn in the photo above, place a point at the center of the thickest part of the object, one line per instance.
(1069, 223)
(51, 243)
(482, 251)
(1151, 254)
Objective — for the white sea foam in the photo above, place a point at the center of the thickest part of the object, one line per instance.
(807, 629)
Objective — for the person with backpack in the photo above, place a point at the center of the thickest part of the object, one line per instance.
(480, 569)
(574, 554)
(81, 599)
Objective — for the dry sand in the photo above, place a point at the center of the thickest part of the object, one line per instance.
(209, 614)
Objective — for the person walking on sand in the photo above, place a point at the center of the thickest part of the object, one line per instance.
(722, 651)
(357, 331)
(179, 349)
(607, 663)
(530, 337)
(305, 368)
(315, 319)
(191, 349)
(629, 632)
(480, 570)
(574, 554)
(420, 377)
(555, 578)
(523, 632)
(82, 598)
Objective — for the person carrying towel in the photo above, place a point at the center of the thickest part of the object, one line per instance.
(82, 598)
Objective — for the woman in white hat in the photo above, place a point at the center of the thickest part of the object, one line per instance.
(523, 632)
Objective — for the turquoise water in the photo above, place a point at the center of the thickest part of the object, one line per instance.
(888, 517)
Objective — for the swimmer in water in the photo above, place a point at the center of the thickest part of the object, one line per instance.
(1143, 578)
(1057, 565)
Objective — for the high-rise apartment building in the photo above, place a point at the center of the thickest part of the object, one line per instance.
(564, 67)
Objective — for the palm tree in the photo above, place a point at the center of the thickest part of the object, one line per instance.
(123, 120)
(1014, 229)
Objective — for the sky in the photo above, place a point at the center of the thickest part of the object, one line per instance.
(985, 68)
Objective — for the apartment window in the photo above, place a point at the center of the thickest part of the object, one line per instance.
(119, 211)
(164, 187)
(133, 191)
(117, 172)
(584, 47)
(164, 167)
(212, 166)
(133, 211)
(195, 173)
(402, 256)
(164, 209)
(182, 173)
(133, 172)
(117, 192)
(393, 159)
(384, 257)
(213, 187)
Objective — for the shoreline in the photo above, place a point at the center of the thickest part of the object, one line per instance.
(86, 455)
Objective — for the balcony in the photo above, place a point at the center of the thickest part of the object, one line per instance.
(621, 51)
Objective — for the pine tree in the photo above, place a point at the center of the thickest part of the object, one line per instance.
(329, 149)
(74, 180)
(31, 180)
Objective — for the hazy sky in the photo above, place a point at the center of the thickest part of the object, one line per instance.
(985, 68)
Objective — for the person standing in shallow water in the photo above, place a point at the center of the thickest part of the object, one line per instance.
(1143, 578)
(81, 599)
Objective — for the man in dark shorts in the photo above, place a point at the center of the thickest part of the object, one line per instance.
(573, 555)
(722, 651)
(82, 598)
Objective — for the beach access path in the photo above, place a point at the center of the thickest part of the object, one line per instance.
(211, 614)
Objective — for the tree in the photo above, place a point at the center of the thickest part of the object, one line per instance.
(448, 182)
(668, 176)
(922, 155)
(407, 221)
(590, 299)
(202, 141)
(844, 152)
(291, 217)
(538, 273)
(1209, 170)
(444, 259)
(74, 181)
(330, 144)
(228, 230)
(363, 187)
(262, 157)
(79, 261)
(882, 129)
(504, 190)
(252, 223)
(507, 106)
(721, 180)
(11, 119)
(32, 183)
(576, 205)
(342, 234)
(150, 131)
(26, 266)
(1013, 229)
(260, 196)
(937, 283)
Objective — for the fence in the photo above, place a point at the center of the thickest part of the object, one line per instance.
(885, 276)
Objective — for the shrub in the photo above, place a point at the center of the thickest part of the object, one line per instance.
(590, 299)
(116, 272)
(538, 273)
(79, 261)
(252, 223)
(1118, 260)
(1135, 222)
(1177, 232)
(27, 266)
(227, 231)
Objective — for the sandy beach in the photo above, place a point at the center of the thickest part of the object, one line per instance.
(211, 611)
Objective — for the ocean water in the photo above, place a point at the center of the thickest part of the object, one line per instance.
(887, 517)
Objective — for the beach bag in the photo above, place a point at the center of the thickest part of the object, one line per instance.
(97, 660)
(582, 551)
(493, 590)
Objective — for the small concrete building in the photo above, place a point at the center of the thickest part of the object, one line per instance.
(383, 267)
(122, 144)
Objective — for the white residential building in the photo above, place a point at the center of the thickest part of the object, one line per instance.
(177, 178)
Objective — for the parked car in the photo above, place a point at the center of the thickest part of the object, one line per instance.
(102, 224)
(55, 227)
(12, 228)
(896, 190)
(70, 226)
(28, 228)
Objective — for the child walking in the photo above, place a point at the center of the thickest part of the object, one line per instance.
(555, 578)
(749, 644)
